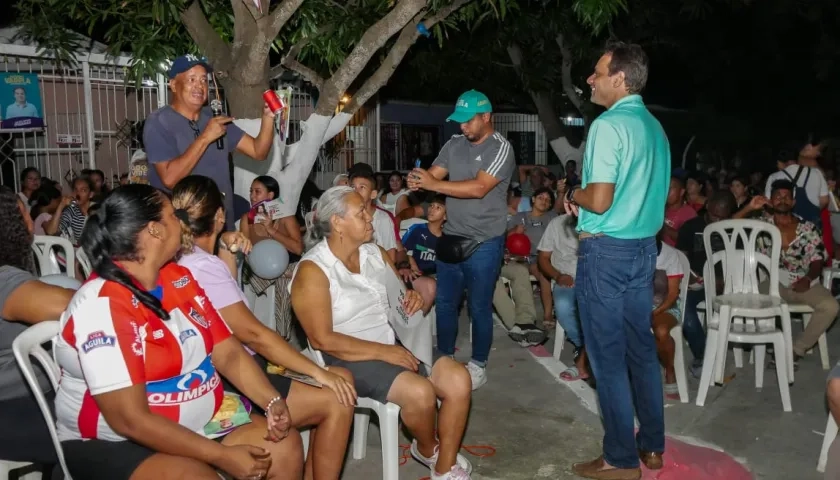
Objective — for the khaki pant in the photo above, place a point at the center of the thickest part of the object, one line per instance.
(521, 309)
(825, 310)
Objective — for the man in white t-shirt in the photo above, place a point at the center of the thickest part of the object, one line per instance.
(557, 259)
(383, 225)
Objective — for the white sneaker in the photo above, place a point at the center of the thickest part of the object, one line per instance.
(457, 473)
(478, 375)
(460, 461)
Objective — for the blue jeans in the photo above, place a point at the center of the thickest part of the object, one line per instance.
(565, 309)
(614, 289)
(692, 328)
(478, 274)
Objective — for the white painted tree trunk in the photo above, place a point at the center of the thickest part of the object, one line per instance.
(565, 151)
(297, 158)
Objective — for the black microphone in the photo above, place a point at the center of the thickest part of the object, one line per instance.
(216, 107)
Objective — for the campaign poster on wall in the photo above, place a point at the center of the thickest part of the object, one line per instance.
(20, 101)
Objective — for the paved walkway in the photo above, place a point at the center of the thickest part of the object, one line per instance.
(540, 426)
(537, 426)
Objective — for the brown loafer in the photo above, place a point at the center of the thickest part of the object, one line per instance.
(595, 469)
(652, 460)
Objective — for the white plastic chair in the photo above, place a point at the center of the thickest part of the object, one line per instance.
(828, 438)
(389, 428)
(44, 247)
(28, 345)
(676, 332)
(406, 224)
(84, 262)
(7, 466)
(741, 298)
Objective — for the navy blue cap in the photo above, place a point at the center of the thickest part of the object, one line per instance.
(186, 62)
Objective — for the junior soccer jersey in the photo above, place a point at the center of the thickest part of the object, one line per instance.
(109, 341)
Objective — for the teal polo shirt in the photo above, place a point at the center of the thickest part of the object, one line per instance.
(627, 146)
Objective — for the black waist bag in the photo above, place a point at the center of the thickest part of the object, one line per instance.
(455, 248)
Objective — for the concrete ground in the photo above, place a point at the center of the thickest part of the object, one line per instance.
(749, 424)
(537, 426)
(540, 425)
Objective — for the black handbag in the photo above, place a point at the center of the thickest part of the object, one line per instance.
(455, 248)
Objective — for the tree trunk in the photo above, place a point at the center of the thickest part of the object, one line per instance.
(244, 99)
(555, 131)
(289, 164)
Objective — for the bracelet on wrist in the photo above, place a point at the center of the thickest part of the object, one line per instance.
(272, 402)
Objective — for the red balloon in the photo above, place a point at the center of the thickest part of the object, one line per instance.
(518, 244)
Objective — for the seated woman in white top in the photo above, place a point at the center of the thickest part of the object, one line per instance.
(343, 308)
(396, 199)
(199, 205)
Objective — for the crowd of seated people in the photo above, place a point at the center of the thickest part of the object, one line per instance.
(162, 314)
(165, 285)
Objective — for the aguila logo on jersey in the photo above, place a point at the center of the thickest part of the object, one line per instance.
(98, 339)
(184, 388)
(187, 334)
(181, 282)
(198, 318)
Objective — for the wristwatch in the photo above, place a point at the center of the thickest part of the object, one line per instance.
(570, 195)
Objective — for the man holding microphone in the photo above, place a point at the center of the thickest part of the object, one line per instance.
(626, 175)
(187, 138)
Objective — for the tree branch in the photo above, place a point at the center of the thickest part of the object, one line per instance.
(281, 15)
(566, 74)
(202, 33)
(290, 61)
(545, 109)
(244, 23)
(408, 36)
(373, 39)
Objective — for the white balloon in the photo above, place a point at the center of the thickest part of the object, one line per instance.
(60, 280)
(268, 259)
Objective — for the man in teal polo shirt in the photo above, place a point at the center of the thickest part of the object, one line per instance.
(626, 174)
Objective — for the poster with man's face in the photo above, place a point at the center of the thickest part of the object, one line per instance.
(20, 101)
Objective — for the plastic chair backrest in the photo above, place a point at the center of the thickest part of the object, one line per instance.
(315, 355)
(686, 268)
(741, 265)
(26, 346)
(406, 224)
(44, 247)
(84, 262)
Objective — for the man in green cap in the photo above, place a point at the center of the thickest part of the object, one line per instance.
(479, 164)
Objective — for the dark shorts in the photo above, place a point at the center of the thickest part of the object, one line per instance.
(281, 384)
(103, 460)
(373, 378)
(26, 437)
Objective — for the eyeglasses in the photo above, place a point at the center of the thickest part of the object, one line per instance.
(194, 127)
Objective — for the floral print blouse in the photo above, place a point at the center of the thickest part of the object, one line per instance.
(806, 247)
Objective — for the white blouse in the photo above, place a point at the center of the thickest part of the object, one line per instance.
(360, 306)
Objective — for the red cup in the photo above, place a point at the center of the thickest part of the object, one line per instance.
(273, 101)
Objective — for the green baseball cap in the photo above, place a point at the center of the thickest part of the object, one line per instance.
(470, 104)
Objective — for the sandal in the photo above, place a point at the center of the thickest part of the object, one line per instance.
(572, 374)
(549, 323)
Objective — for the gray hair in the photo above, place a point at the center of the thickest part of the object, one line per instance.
(339, 177)
(332, 202)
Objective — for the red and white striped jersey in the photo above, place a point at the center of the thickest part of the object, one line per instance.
(110, 341)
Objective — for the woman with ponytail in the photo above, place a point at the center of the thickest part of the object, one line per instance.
(200, 207)
(140, 396)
